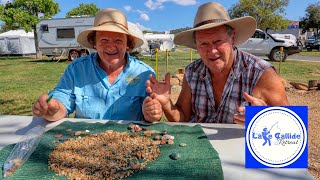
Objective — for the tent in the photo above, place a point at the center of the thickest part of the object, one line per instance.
(17, 42)
(165, 41)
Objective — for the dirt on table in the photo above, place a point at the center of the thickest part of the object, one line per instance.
(295, 97)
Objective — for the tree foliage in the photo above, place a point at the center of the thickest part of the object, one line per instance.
(312, 18)
(175, 31)
(25, 14)
(83, 10)
(268, 13)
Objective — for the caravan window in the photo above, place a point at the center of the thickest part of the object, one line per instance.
(65, 33)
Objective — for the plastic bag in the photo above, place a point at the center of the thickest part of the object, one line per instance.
(22, 150)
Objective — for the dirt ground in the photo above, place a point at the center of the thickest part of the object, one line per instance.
(295, 97)
(312, 100)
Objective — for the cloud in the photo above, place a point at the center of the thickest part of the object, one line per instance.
(154, 5)
(143, 15)
(127, 8)
(141, 27)
(185, 2)
(157, 4)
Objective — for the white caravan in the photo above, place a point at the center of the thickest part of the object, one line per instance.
(59, 36)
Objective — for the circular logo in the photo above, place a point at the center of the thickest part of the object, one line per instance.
(276, 137)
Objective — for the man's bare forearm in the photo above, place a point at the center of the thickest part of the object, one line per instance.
(173, 113)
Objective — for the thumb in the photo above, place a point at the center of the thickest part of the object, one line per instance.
(254, 101)
(248, 98)
(148, 99)
(53, 106)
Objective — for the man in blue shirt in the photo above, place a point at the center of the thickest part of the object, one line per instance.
(108, 84)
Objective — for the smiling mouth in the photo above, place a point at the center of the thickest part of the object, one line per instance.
(214, 59)
(110, 54)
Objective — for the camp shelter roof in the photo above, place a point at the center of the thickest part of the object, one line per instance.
(17, 33)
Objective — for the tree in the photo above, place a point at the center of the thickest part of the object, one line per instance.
(268, 13)
(25, 14)
(312, 18)
(175, 31)
(4, 28)
(83, 10)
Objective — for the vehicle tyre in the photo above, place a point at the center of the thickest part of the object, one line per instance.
(275, 54)
(152, 51)
(73, 55)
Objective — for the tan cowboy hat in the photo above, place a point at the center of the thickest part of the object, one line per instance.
(111, 20)
(211, 15)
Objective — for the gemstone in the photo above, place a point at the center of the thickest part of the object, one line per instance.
(175, 156)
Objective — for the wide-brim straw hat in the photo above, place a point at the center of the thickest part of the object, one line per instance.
(111, 20)
(212, 14)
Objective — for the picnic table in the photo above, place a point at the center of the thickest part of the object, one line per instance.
(227, 139)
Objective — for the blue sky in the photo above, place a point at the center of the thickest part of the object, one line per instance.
(163, 15)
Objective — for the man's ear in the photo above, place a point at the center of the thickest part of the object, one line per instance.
(233, 37)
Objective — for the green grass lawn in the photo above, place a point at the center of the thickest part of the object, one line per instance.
(24, 79)
(304, 52)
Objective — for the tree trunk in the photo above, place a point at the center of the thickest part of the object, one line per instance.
(36, 43)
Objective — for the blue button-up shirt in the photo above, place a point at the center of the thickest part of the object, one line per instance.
(85, 89)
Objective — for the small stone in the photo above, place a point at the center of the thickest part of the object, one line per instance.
(147, 134)
(163, 142)
(170, 141)
(175, 156)
(164, 132)
(182, 144)
(167, 137)
(58, 135)
(62, 139)
(157, 138)
(109, 131)
(139, 155)
(77, 133)
(69, 130)
(135, 166)
(155, 143)
(87, 131)
(144, 129)
(150, 131)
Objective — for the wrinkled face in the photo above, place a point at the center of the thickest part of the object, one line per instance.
(111, 47)
(215, 47)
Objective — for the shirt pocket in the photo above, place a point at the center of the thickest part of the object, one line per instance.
(129, 104)
(89, 105)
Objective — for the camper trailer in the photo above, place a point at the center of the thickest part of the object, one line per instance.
(59, 36)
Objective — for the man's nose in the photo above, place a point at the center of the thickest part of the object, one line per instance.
(212, 49)
(111, 45)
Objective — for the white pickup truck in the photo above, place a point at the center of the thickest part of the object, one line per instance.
(264, 44)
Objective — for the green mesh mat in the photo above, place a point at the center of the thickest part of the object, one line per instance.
(198, 159)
